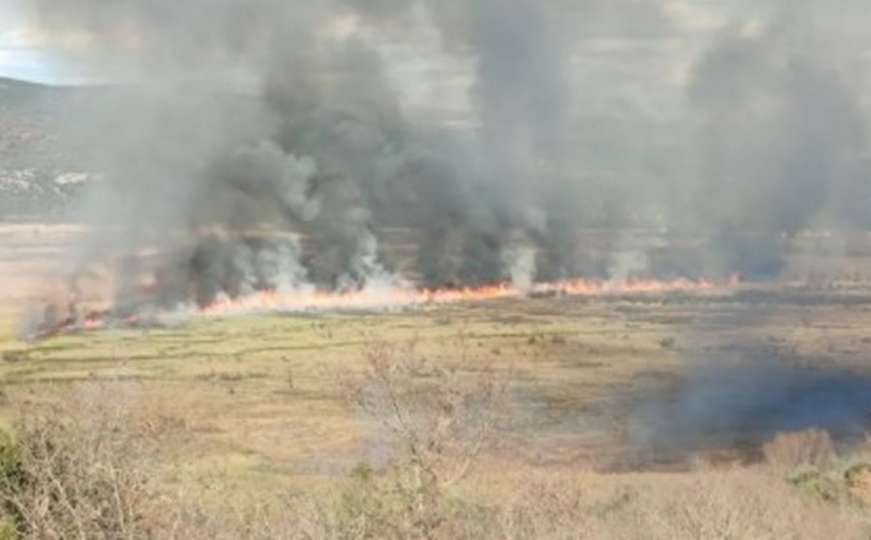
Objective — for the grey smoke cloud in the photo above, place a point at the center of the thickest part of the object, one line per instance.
(578, 116)
(782, 131)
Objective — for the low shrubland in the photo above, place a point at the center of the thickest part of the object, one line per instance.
(92, 464)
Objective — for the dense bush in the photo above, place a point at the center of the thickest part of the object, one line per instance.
(77, 470)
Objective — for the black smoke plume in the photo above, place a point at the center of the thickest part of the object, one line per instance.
(273, 144)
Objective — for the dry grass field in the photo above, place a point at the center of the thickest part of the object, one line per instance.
(619, 397)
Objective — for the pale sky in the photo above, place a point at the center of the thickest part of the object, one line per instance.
(23, 54)
(20, 57)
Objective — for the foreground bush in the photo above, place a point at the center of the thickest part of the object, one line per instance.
(790, 451)
(76, 469)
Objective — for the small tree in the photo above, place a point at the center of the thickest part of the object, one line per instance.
(440, 420)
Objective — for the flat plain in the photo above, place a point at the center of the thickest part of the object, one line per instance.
(259, 399)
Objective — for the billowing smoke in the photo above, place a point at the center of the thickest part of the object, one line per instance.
(273, 144)
(781, 131)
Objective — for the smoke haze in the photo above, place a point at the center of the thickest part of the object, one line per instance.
(744, 402)
(272, 144)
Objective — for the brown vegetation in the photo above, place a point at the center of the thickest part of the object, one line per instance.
(810, 448)
(87, 467)
(79, 469)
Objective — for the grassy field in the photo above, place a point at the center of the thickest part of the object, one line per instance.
(261, 395)
(255, 405)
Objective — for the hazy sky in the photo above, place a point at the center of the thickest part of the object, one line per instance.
(11, 26)
(22, 54)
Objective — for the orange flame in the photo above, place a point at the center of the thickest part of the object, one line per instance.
(375, 298)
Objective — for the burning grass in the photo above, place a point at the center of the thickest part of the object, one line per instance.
(69, 317)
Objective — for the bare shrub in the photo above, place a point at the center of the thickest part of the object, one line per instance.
(810, 448)
(439, 420)
(77, 468)
(546, 510)
(735, 504)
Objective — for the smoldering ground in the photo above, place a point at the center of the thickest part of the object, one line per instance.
(307, 120)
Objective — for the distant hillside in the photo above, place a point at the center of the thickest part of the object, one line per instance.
(39, 172)
(47, 157)
(26, 114)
